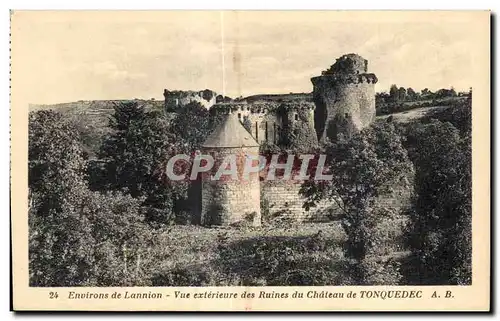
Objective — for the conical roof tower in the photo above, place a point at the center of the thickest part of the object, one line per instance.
(230, 201)
(230, 133)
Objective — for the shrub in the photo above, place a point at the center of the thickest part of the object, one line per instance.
(282, 261)
(439, 229)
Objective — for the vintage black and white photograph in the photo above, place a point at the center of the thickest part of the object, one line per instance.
(240, 148)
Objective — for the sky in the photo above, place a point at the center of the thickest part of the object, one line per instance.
(69, 56)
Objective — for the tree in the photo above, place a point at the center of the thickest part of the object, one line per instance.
(440, 226)
(412, 95)
(56, 161)
(426, 93)
(76, 236)
(121, 239)
(98, 240)
(55, 179)
(382, 100)
(444, 93)
(402, 94)
(394, 93)
(459, 114)
(193, 124)
(364, 168)
(136, 154)
(382, 97)
(91, 131)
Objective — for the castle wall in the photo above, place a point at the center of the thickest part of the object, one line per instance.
(267, 126)
(267, 120)
(232, 202)
(175, 99)
(258, 126)
(264, 123)
(274, 125)
(256, 119)
(227, 201)
(357, 100)
(285, 202)
(339, 99)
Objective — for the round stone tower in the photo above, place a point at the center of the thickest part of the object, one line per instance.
(228, 199)
(345, 97)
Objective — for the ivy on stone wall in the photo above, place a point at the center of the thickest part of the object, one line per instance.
(299, 135)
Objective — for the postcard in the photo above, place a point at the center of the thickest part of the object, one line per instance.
(250, 160)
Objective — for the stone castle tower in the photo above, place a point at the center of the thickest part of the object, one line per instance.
(345, 97)
(230, 200)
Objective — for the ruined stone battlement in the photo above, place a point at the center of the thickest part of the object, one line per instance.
(348, 64)
(298, 105)
(345, 97)
(178, 98)
(244, 107)
(261, 107)
(368, 78)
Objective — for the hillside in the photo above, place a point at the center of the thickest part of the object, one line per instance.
(94, 107)
(383, 108)
(90, 117)
(413, 114)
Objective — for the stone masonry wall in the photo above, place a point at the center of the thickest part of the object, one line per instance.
(266, 123)
(355, 99)
(227, 201)
(285, 202)
(358, 100)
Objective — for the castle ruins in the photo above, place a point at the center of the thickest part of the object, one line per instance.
(343, 101)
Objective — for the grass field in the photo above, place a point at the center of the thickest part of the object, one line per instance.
(301, 254)
(412, 114)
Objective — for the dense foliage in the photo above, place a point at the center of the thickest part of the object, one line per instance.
(439, 231)
(364, 167)
(77, 237)
(135, 156)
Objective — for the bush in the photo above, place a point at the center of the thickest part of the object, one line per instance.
(439, 230)
(99, 240)
(280, 261)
